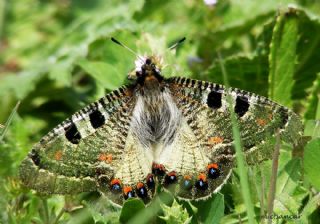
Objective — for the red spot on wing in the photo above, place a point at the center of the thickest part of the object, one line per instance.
(127, 189)
(140, 185)
(58, 155)
(202, 177)
(105, 157)
(261, 122)
(215, 140)
(115, 181)
(213, 165)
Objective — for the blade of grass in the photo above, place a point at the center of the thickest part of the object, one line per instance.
(6, 126)
(239, 155)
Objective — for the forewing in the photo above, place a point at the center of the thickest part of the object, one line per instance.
(86, 152)
(206, 112)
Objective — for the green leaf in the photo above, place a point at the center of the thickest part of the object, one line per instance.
(20, 85)
(216, 211)
(130, 208)
(289, 193)
(282, 57)
(308, 54)
(311, 162)
(311, 207)
(106, 74)
(61, 72)
(312, 128)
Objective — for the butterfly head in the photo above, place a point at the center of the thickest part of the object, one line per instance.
(147, 69)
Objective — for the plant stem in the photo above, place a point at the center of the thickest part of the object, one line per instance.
(46, 210)
(59, 215)
(262, 195)
(273, 181)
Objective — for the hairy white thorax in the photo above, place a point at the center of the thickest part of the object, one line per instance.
(155, 119)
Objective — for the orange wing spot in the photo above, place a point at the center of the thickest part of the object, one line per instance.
(213, 165)
(140, 185)
(261, 122)
(105, 157)
(187, 177)
(127, 189)
(202, 177)
(215, 140)
(58, 155)
(115, 181)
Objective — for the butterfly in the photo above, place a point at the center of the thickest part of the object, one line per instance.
(170, 132)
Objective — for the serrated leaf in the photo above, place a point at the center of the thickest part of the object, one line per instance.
(311, 162)
(175, 214)
(282, 57)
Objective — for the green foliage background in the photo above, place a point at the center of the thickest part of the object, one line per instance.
(56, 56)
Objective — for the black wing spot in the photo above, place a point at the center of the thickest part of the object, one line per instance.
(97, 119)
(214, 99)
(188, 82)
(283, 116)
(35, 157)
(72, 134)
(242, 105)
(103, 103)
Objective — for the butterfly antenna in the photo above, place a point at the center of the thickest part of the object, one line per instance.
(177, 43)
(126, 47)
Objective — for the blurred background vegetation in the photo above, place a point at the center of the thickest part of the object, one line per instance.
(56, 56)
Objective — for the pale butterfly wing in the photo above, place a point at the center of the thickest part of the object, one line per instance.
(205, 136)
(89, 151)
